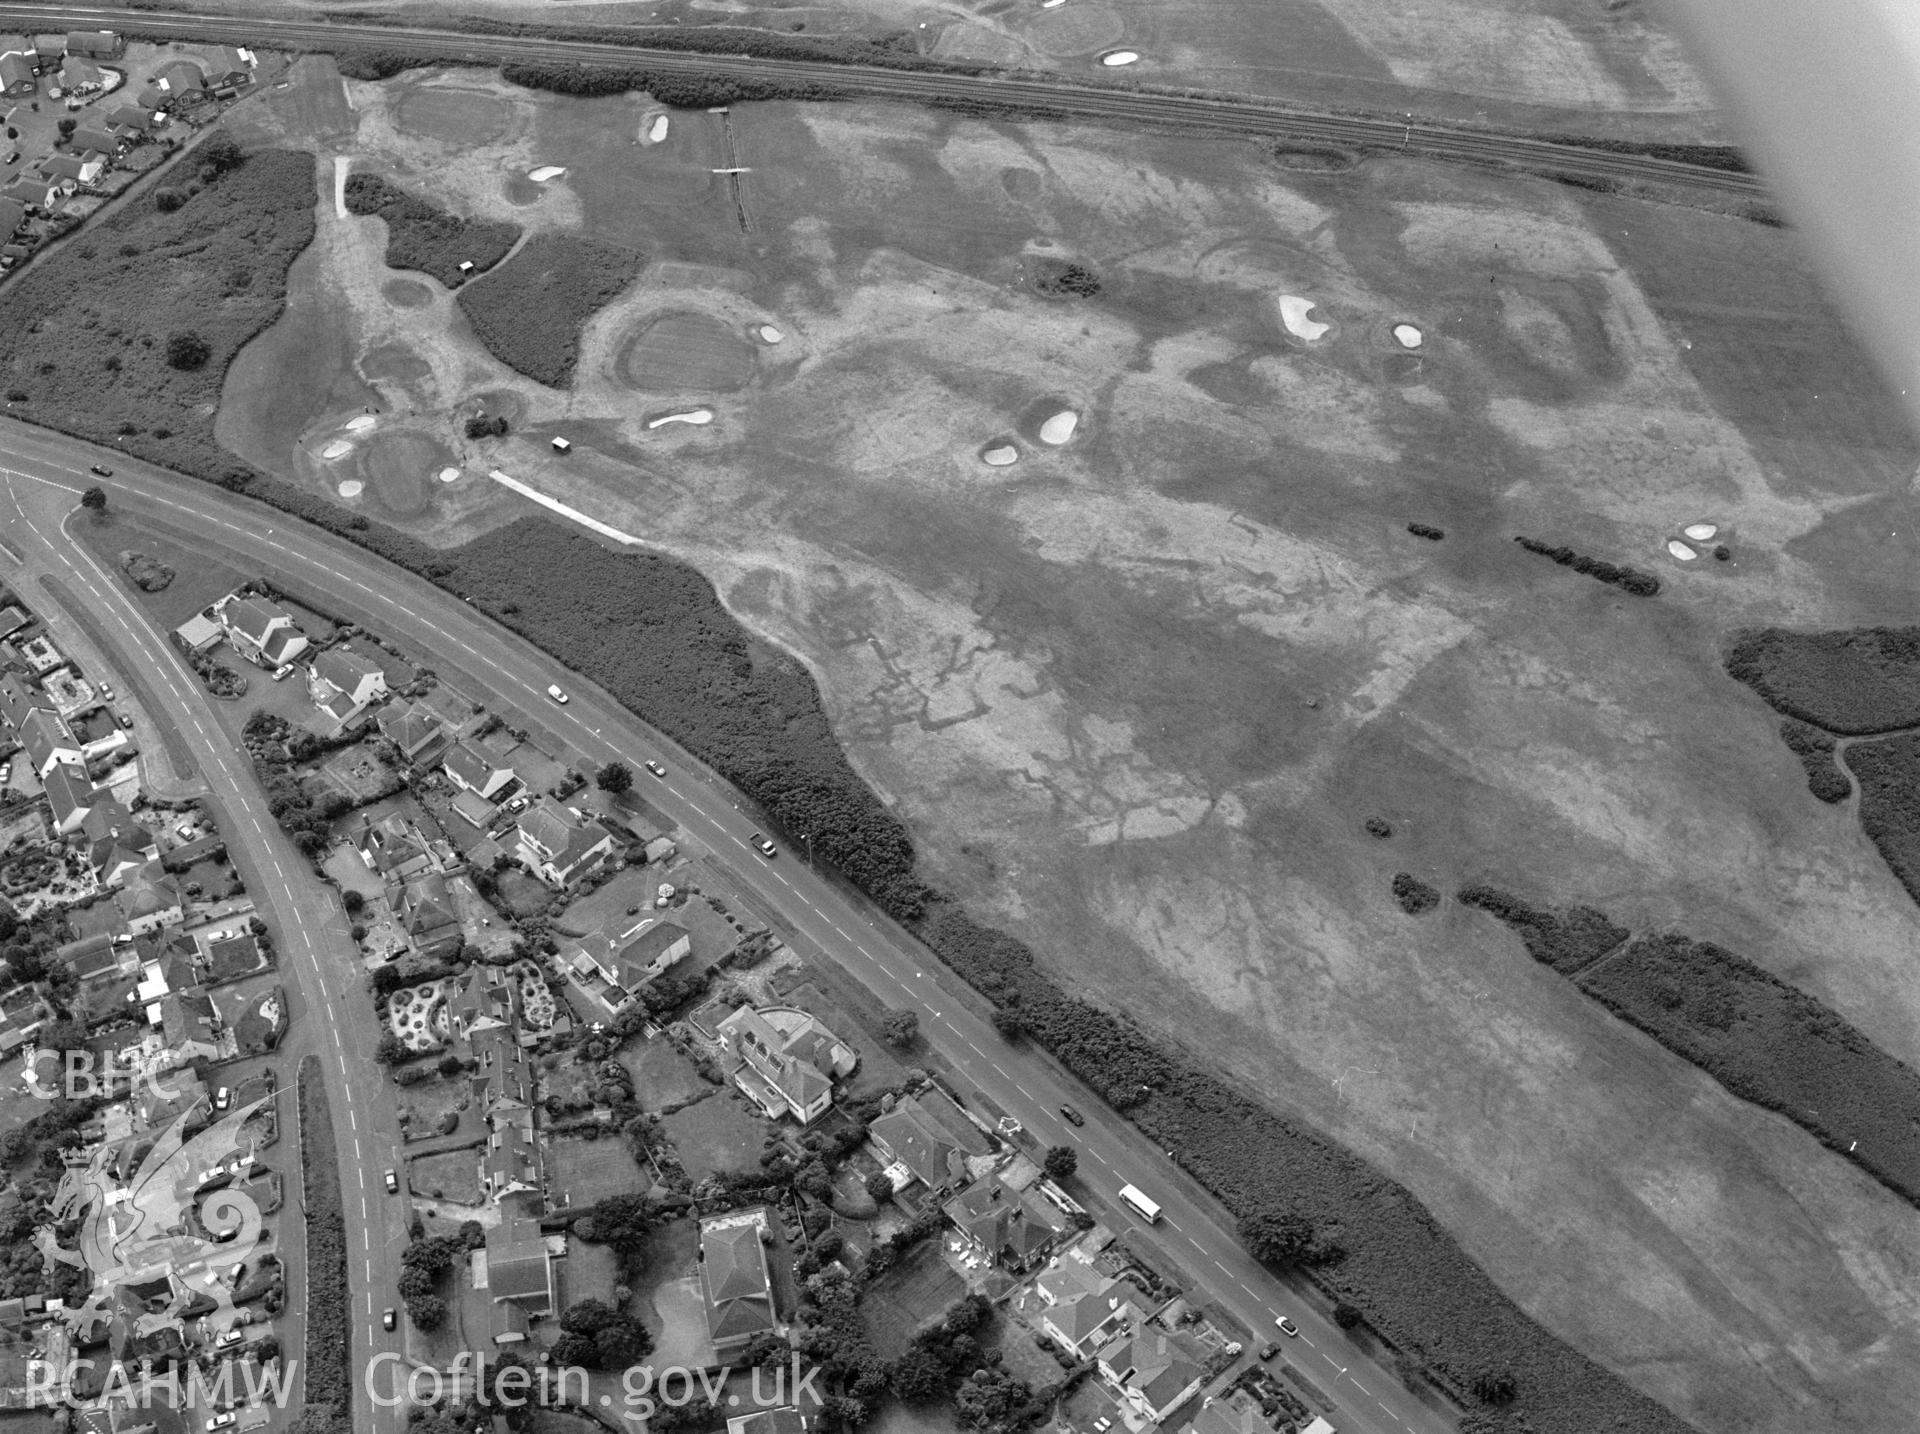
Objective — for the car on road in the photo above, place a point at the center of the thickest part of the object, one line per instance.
(1286, 1326)
(393, 1183)
(656, 769)
(1268, 1351)
(389, 1320)
(758, 841)
(126, 719)
(101, 470)
(106, 690)
(222, 1098)
(1072, 1116)
(553, 691)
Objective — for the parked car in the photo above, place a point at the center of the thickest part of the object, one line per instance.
(283, 672)
(518, 804)
(656, 769)
(1268, 1351)
(393, 1183)
(389, 1320)
(223, 1421)
(126, 720)
(758, 841)
(106, 690)
(557, 695)
(222, 1098)
(1072, 1116)
(230, 1338)
(1286, 1326)
(101, 470)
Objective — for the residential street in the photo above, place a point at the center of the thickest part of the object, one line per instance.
(331, 1014)
(49, 471)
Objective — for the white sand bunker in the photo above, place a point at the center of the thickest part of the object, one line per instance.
(769, 334)
(1293, 313)
(692, 415)
(1060, 427)
(351, 488)
(1700, 532)
(657, 131)
(362, 423)
(1049, 4)
(339, 448)
(1407, 336)
(1118, 58)
(447, 475)
(544, 173)
(1000, 457)
(1681, 551)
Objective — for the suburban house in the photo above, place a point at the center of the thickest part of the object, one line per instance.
(261, 630)
(559, 846)
(343, 684)
(116, 844)
(32, 191)
(12, 214)
(149, 899)
(1084, 1308)
(734, 1280)
(785, 1061)
(77, 72)
(17, 74)
(232, 66)
(472, 770)
(928, 1138)
(612, 970)
(180, 77)
(94, 958)
(488, 999)
(1237, 1415)
(414, 730)
(17, 700)
(130, 121)
(425, 910)
(392, 846)
(1153, 1371)
(95, 139)
(190, 1025)
(1011, 1228)
(94, 44)
(503, 1091)
(70, 796)
(519, 1277)
(49, 742)
(71, 170)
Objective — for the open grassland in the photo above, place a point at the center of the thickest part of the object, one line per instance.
(1137, 690)
(87, 329)
(529, 314)
(425, 237)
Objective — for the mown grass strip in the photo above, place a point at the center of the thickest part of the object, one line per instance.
(329, 1379)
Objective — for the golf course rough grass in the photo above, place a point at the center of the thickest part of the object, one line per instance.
(530, 311)
(425, 237)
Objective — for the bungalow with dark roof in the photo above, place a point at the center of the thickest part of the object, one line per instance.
(472, 769)
(190, 1025)
(130, 121)
(392, 846)
(149, 899)
(77, 72)
(116, 843)
(71, 171)
(180, 77)
(559, 846)
(785, 1060)
(1085, 1309)
(32, 191)
(1010, 1228)
(96, 139)
(261, 630)
(94, 44)
(415, 730)
(17, 74)
(519, 1268)
(342, 683)
(96, 957)
(928, 1138)
(735, 1283)
(232, 66)
(425, 909)
(70, 796)
(1153, 1371)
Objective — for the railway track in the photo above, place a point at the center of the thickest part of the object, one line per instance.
(1074, 100)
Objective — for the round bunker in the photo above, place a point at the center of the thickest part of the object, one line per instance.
(339, 448)
(406, 293)
(1059, 428)
(769, 334)
(1700, 532)
(1119, 57)
(1293, 314)
(1681, 551)
(351, 488)
(1002, 456)
(657, 131)
(695, 416)
(685, 353)
(545, 172)
(1407, 336)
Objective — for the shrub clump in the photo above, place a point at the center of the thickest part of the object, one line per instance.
(1416, 898)
(681, 91)
(529, 311)
(1568, 941)
(1815, 749)
(376, 64)
(1427, 531)
(1854, 681)
(426, 237)
(1889, 775)
(1379, 828)
(1063, 279)
(1632, 580)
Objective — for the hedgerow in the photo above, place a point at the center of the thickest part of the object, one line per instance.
(328, 1381)
(1815, 749)
(376, 64)
(1888, 771)
(1854, 682)
(1427, 531)
(1568, 941)
(670, 88)
(83, 331)
(1416, 898)
(426, 237)
(1626, 579)
(1774, 1045)
(529, 311)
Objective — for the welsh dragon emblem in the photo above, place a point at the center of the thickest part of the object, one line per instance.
(175, 1225)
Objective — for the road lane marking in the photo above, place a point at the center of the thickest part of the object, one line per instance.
(1359, 1386)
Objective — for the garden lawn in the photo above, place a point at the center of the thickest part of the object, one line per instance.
(716, 1134)
(452, 1176)
(530, 311)
(662, 1077)
(585, 1172)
